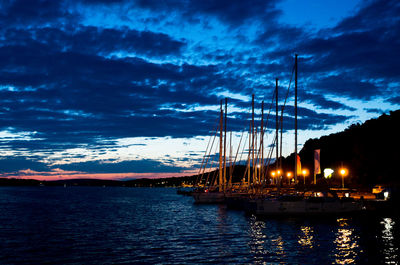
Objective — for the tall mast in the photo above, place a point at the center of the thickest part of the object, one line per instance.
(256, 156)
(249, 157)
(220, 187)
(226, 110)
(252, 133)
(295, 120)
(280, 152)
(262, 143)
(230, 161)
(277, 126)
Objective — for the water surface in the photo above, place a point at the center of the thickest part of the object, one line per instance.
(116, 225)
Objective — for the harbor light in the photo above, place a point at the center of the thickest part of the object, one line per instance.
(289, 176)
(343, 172)
(386, 195)
(328, 173)
(304, 172)
(273, 174)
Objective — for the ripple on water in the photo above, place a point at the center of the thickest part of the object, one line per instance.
(88, 225)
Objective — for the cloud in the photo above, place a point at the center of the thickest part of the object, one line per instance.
(19, 166)
(395, 100)
(20, 12)
(94, 41)
(10, 164)
(311, 120)
(133, 166)
(228, 11)
(349, 87)
(374, 110)
(322, 102)
(70, 81)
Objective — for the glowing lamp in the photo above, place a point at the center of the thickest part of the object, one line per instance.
(328, 173)
(386, 195)
(304, 172)
(343, 172)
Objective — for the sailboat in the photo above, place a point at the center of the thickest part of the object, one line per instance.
(216, 193)
(315, 202)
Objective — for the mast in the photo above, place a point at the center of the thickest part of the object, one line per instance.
(230, 162)
(262, 143)
(295, 120)
(256, 156)
(224, 166)
(280, 152)
(252, 133)
(220, 183)
(277, 127)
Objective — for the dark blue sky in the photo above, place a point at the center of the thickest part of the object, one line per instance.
(134, 86)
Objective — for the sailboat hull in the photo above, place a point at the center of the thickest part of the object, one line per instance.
(208, 197)
(306, 207)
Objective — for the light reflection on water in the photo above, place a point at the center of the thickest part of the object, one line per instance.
(390, 250)
(346, 241)
(306, 237)
(156, 226)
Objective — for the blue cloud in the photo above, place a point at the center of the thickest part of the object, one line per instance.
(78, 83)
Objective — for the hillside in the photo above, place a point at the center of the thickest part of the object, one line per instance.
(370, 150)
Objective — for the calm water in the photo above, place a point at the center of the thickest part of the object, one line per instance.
(79, 225)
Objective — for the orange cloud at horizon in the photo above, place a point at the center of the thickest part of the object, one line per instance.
(59, 174)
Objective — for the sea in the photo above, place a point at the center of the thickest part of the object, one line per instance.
(121, 225)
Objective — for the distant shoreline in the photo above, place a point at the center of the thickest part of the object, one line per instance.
(163, 182)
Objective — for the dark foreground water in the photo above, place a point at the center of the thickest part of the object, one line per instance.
(78, 225)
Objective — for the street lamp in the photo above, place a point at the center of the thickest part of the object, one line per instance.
(278, 176)
(273, 173)
(343, 172)
(305, 173)
(289, 176)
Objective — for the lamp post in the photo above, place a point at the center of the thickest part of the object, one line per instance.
(343, 172)
(289, 176)
(305, 173)
(273, 176)
(278, 177)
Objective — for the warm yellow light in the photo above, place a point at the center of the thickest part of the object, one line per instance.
(289, 174)
(278, 172)
(304, 172)
(343, 172)
(273, 173)
(328, 173)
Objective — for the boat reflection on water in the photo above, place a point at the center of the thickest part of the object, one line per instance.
(346, 242)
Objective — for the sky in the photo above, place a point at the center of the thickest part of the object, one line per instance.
(129, 89)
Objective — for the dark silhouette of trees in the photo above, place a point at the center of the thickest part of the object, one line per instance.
(370, 151)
